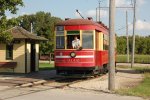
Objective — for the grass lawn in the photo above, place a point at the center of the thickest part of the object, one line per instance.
(46, 66)
(143, 89)
(138, 58)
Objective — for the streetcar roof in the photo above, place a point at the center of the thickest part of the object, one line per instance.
(80, 22)
(74, 22)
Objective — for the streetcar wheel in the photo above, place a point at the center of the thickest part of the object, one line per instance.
(105, 68)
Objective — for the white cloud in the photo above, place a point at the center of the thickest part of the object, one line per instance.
(119, 3)
(128, 2)
(24, 13)
(92, 13)
(140, 2)
(141, 26)
(122, 3)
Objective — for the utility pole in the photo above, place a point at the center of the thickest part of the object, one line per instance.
(96, 14)
(111, 83)
(127, 36)
(133, 37)
(99, 10)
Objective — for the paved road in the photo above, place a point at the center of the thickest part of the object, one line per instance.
(71, 94)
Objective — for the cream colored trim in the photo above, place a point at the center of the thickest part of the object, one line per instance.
(94, 44)
(65, 40)
(81, 37)
(101, 41)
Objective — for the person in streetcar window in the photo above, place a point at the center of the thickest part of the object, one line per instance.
(76, 43)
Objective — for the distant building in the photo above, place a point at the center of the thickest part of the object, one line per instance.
(22, 55)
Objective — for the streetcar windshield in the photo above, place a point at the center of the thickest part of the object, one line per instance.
(71, 41)
(74, 39)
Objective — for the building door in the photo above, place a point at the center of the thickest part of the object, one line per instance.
(33, 56)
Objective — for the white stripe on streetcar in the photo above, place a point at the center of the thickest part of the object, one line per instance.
(75, 57)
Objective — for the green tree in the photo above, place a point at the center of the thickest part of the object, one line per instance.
(148, 45)
(141, 44)
(43, 25)
(121, 45)
(7, 5)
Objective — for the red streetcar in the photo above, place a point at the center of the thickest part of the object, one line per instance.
(91, 54)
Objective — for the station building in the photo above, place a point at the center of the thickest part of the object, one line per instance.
(22, 55)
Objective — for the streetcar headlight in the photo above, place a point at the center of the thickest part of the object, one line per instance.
(73, 54)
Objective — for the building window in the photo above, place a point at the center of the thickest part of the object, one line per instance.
(9, 52)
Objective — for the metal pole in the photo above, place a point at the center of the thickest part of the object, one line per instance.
(127, 36)
(133, 40)
(111, 83)
(96, 14)
(99, 11)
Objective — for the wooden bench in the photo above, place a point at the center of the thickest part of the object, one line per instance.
(10, 65)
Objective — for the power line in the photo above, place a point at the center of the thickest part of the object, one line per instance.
(124, 27)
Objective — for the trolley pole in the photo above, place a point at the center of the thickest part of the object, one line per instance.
(127, 37)
(111, 83)
(133, 37)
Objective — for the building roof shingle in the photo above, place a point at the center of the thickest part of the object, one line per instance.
(20, 33)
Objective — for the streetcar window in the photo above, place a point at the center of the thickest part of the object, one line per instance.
(70, 38)
(60, 42)
(60, 39)
(59, 33)
(105, 42)
(87, 40)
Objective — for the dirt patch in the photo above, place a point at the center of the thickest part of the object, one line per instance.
(128, 78)
(124, 78)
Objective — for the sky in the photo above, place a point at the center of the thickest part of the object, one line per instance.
(67, 9)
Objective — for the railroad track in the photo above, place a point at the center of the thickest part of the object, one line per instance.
(62, 82)
(53, 83)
